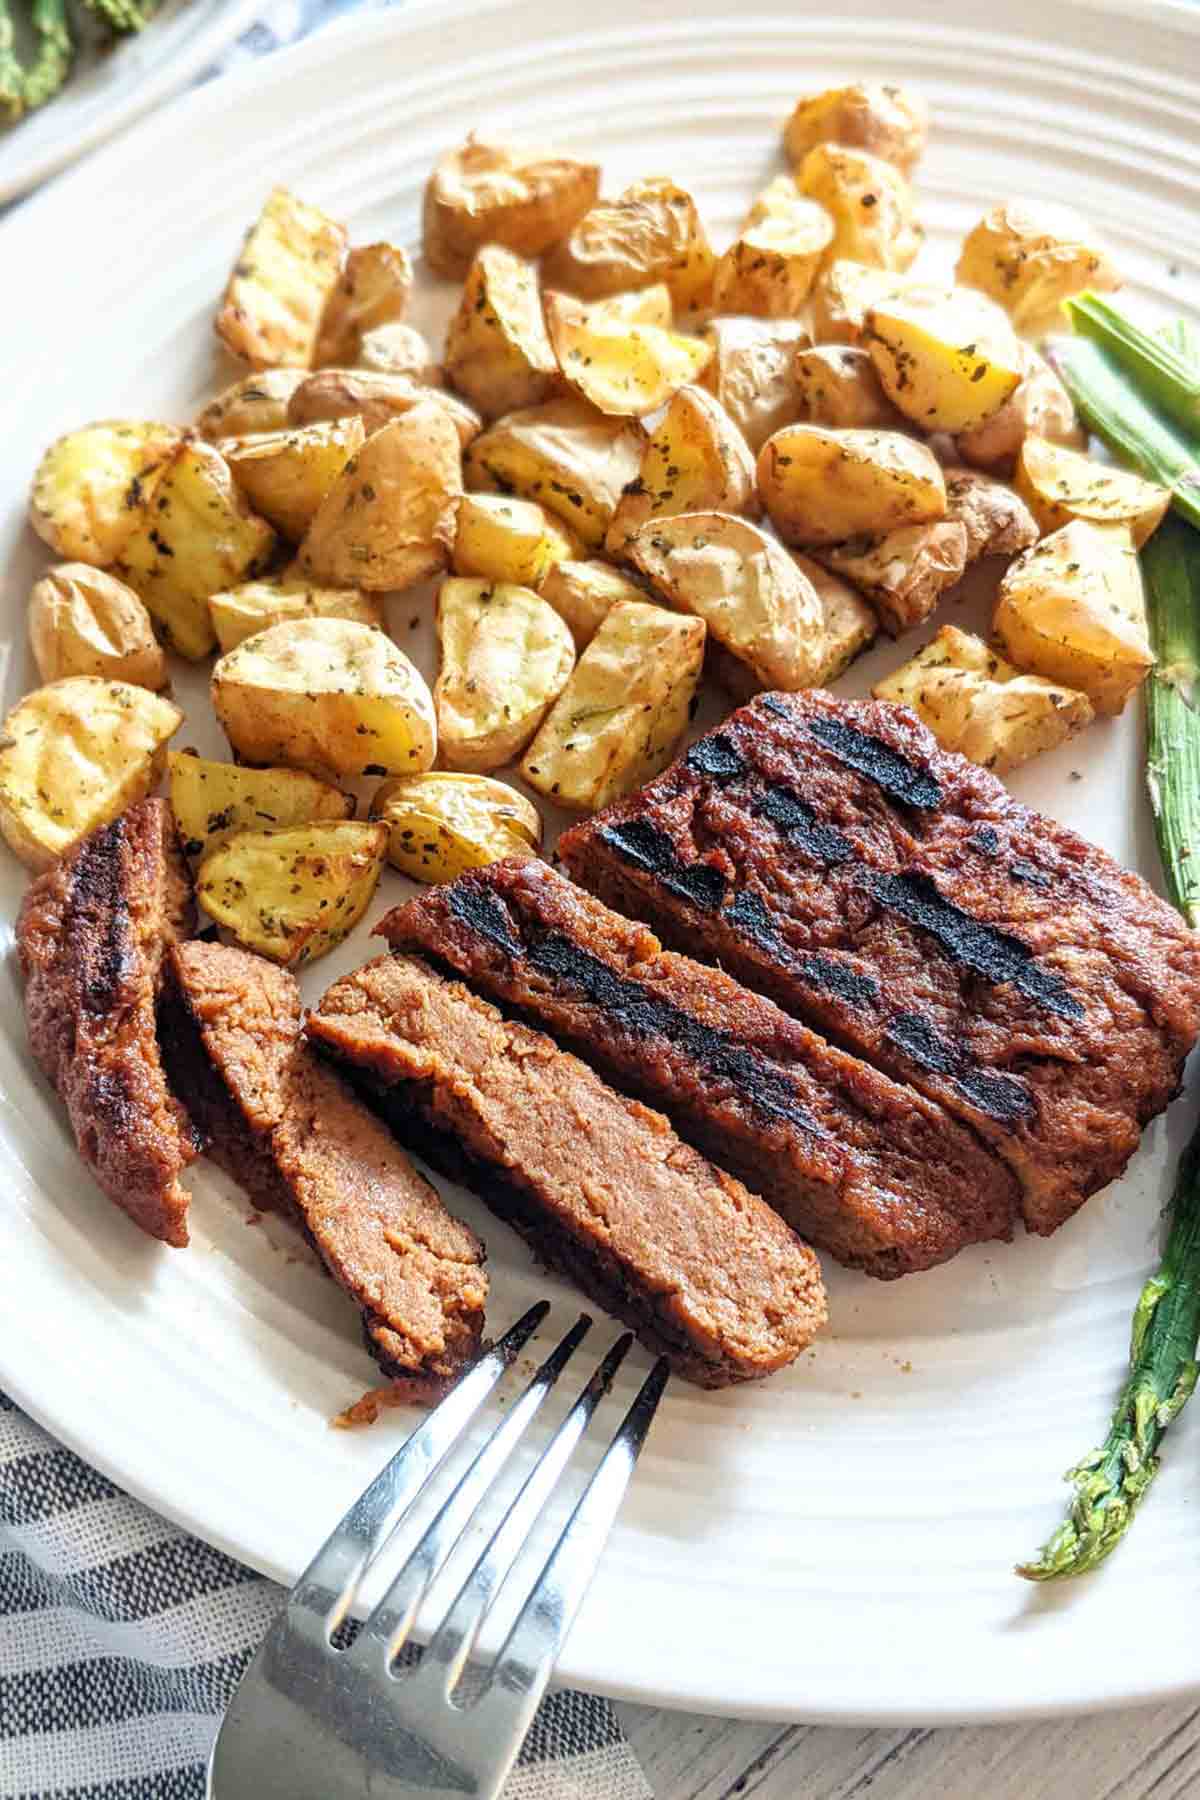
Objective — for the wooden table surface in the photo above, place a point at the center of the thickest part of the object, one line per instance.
(1150, 1754)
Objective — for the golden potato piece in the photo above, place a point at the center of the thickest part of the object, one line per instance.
(869, 203)
(752, 373)
(91, 487)
(566, 456)
(981, 706)
(276, 295)
(441, 824)
(242, 611)
(842, 296)
(584, 592)
(73, 755)
(212, 799)
(848, 624)
(497, 350)
(643, 306)
(997, 520)
(84, 622)
(388, 520)
(903, 573)
(293, 893)
(1059, 485)
(255, 403)
(948, 358)
(821, 486)
(1072, 609)
(377, 400)
(696, 460)
(890, 122)
(756, 603)
(1039, 407)
(373, 289)
(285, 475)
(618, 721)
(328, 695)
(621, 369)
(400, 350)
(1029, 256)
(770, 267)
(652, 234)
(491, 193)
(500, 539)
(198, 538)
(837, 385)
(504, 658)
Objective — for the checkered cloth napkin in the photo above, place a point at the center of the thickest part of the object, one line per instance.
(121, 1638)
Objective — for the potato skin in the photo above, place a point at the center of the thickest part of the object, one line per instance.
(294, 892)
(1029, 257)
(240, 612)
(91, 488)
(497, 351)
(696, 460)
(752, 374)
(769, 269)
(821, 486)
(285, 475)
(890, 122)
(843, 294)
(501, 539)
(83, 621)
(996, 520)
(505, 656)
(623, 369)
(276, 295)
(652, 233)
(377, 399)
(1039, 406)
(869, 202)
(905, 572)
(583, 592)
(255, 403)
(493, 193)
(848, 624)
(442, 824)
(373, 289)
(566, 456)
(399, 349)
(837, 385)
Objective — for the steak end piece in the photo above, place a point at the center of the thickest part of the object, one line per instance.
(92, 935)
(299, 1142)
(860, 1165)
(701, 1269)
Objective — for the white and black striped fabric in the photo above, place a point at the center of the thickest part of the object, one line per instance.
(122, 1639)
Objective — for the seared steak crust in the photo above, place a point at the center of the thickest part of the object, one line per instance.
(92, 934)
(700, 1268)
(860, 1165)
(831, 855)
(299, 1142)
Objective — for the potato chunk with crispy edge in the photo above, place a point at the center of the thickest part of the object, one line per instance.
(285, 475)
(622, 368)
(373, 289)
(497, 350)
(484, 192)
(91, 489)
(241, 611)
(501, 539)
(584, 592)
(566, 456)
(1029, 256)
(1058, 485)
(869, 202)
(276, 295)
(504, 658)
(752, 373)
(891, 122)
(293, 892)
(821, 486)
(903, 573)
(442, 824)
(948, 358)
(695, 460)
(652, 233)
(212, 799)
(83, 621)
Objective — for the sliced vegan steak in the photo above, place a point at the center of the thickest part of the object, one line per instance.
(601, 1187)
(92, 934)
(862, 1166)
(828, 853)
(299, 1142)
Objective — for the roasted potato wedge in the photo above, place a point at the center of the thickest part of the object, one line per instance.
(821, 486)
(294, 892)
(73, 755)
(328, 695)
(285, 273)
(497, 350)
(212, 799)
(400, 350)
(1040, 406)
(242, 611)
(842, 296)
(388, 520)
(769, 269)
(377, 400)
(652, 234)
(1059, 485)
(285, 475)
(566, 456)
(890, 122)
(752, 373)
(85, 622)
(440, 825)
(756, 603)
(903, 573)
(583, 593)
(491, 193)
(373, 289)
(947, 357)
(255, 403)
(618, 721)
(643, 306)
(837, 385)
(500, 539)
(997, 520)
(981, 706)
(869, 203)
(848, 625)
(1030, 256)
(1072, 609)
(199, 538)
(92, 486)
(504, 658)
(622, 369)
(696, 460)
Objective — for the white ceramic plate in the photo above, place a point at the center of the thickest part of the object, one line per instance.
(836, 1543)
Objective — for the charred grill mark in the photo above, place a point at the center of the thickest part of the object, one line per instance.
(898, 778)
(648, 848)
(96, 887)
(1002, 1097)
(772, 703)
(799, 824)
(747, 914)
(838, 979)
(482, 913)
(1020, 870)
(715, 757)
(986, 840)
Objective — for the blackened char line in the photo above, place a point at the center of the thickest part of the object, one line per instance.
(870, 756)
(1004, 1098)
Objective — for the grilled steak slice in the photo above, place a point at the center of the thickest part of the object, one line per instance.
(298, 1141)
(92, 934)
(829, 854)
(860, 1165)
(701, 1269)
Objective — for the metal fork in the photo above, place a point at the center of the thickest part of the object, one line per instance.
(310, 1721)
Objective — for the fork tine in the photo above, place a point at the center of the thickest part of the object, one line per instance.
(455, 1637)
(385, 1630)
(324, 1593)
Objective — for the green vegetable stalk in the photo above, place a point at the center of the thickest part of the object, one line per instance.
(52, 63)
(1163, 374)
(12, 75)
(1171, 566)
